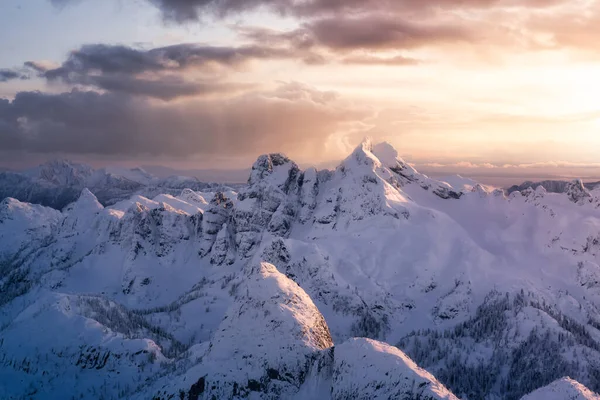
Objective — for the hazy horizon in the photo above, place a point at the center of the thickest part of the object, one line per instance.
(500, 176)
(501, 89)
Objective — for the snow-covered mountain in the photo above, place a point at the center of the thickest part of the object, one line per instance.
(552, 186)
(563, 389)
(59, 182)
(292, 286)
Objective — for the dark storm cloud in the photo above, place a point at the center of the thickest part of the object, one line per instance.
(156, 72)
(164, 88)
(292, 117)
(107, 59)
(36, 67)
(379, 32)
(370, 32)
(160, 72)
(7, 74)
(187, 10)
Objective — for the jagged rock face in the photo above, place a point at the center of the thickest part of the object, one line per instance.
(215, 217)
(271, 334)
(155, 234)
(223, 250)
(309, 190)
(563, 389)
(156, 230)
(577, 193)
(268, 201)
(390, 374)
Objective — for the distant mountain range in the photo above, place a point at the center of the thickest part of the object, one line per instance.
(58, 183)
(551, 186)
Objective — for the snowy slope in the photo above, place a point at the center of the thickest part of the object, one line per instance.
(24, 227)
(494, 295)
(367, 369)
(273, 343)
(563, 389)
(267, 339)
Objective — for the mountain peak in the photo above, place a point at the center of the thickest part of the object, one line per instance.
(362, 155)
(80, 214)
(269, 333)
(367, 143)
(62, 172)
(271, 164)
(564, 388)
(577, 192)
(87, 202)
(192, 197)
(391, 373)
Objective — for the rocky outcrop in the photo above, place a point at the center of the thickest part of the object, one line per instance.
(577, 193)
(215, 216)
(269, 201)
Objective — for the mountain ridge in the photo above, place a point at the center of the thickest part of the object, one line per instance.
(374, 249)
(58, 183)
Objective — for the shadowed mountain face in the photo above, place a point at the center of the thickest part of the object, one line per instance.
(291, 285)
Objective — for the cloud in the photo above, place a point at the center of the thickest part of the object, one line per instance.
(367, 59)
(7, 74)
(161, 72)
(107, 59)
(364, 32)
(157, 72)
(379, 32)
(293, 118)
(492, 29)
(189, 10)
(366, 39)
(168, 88)
(326, 28)
(373, 24)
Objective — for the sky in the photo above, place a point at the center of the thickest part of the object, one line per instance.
(487, 88)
